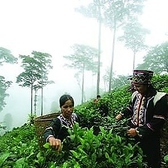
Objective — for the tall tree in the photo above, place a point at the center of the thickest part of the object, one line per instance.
(94, 10)
(156, 59)
(5, 57)
(116, 15)
(29, 76)
(35, 72)
(45, 61)
(134, 37)
(83, 59)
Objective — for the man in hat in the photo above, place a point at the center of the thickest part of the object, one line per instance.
(147, 117)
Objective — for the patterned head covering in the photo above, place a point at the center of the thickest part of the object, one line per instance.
(64, 98)
(142, 77)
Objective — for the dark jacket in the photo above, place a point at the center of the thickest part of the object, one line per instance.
(59, 127)
(153, 116)
(148, 118)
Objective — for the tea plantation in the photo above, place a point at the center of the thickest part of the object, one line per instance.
(98, 142)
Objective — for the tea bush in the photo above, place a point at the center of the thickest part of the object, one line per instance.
(98, 142)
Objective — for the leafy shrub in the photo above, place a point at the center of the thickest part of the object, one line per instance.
(107, 149)
(98, 142)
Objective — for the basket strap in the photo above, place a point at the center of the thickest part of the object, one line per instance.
(60, 124)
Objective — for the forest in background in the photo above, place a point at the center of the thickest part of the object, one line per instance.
(35, 68)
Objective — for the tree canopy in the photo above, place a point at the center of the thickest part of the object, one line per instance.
(5, 57)
(156, 59)
(134, 37)
(83, 59)
(35, 73)
(4, 85)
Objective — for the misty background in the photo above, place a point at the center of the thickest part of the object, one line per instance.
(53, 27)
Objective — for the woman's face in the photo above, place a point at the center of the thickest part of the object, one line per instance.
(142, 89)
(67, 109)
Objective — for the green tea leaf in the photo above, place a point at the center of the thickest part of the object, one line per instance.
(46, 145)
(3, 157)
(166, 158)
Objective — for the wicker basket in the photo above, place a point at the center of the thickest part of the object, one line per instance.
(40, 124)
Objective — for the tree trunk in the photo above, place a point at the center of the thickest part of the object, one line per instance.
(42, 101)
(35, 102)
(99, 51)
(83, 77)
(31, 100)
(112, 58)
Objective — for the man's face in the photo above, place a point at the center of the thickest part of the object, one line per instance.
(142, 89)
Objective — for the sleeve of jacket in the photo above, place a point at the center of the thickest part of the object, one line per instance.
(158, 119)
(78, 119)
(53, 129)
(128, 112)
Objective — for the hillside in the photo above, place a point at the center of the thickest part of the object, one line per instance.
(98, 143)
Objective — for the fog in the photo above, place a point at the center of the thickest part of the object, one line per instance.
(53, 27)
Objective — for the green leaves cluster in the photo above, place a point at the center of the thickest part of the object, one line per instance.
(35, 74)
(156, 59)
(83, 148)
(162, 85)
(19, 148)
(36, 67)
(109, 147)
(104, 150)
(6, 56)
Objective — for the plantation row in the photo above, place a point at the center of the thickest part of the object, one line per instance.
(98, 142)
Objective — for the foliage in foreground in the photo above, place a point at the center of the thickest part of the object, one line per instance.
(99, 141)
(19, 148)
(96, 145)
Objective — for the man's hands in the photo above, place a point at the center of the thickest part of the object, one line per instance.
(132, 132)
(56, 143)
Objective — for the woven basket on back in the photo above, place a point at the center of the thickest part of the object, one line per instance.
(40, 124)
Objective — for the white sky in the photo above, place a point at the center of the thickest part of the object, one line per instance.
(53, 26)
